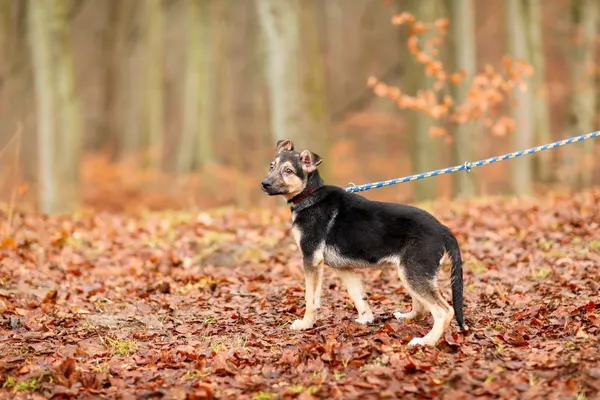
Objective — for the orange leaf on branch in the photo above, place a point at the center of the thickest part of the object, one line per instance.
(419, 27)
(402, 18)
(413, 45)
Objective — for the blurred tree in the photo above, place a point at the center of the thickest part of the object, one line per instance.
(279, 21)
(521, 168)
(154, 66)
(425, 149)
(135, 91)
(314, 83)
(68, 141)
(539, 89)
(114, 39)
(584, 14)
(195, 142)
(462, 39)
(5, 36)
(226, 36)
(40, 43)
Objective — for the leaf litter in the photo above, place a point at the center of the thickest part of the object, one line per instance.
(168, 305)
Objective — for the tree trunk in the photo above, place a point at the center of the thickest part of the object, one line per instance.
(279, 20)
(539, 89)
(203, 57)
(134, 94)
(192, 92)
(583, 93)
(426, 149)
(226, 43)
(154, 112)
(462, 26)
(41, 53)
(110, 128)
(69, 138)
(316, 116)
(522, 138)
(5, 34)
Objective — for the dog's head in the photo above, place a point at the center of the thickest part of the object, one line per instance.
(289, 171)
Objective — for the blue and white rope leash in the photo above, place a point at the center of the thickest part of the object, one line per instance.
(467, 166)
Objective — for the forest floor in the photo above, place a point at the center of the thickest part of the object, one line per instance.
(176, 306)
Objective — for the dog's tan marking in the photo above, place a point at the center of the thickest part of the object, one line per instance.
(294, 184)
(297, 233)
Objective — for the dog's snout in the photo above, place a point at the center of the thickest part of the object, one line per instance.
(266, 184)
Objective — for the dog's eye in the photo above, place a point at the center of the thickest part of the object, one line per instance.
(271, 167)
(288, 171)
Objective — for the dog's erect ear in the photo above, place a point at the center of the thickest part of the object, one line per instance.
(310, 161)
(284, 145)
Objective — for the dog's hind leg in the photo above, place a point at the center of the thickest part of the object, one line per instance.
(416, 311)
(423, 288)
(353, 284)
(319, 287)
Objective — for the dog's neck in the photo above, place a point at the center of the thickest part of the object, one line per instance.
(313, 182)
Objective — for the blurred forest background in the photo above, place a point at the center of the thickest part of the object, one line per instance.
(124, 104)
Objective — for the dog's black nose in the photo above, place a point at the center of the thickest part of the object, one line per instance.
(266, 184)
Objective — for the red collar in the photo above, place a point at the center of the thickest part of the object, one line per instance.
(298, 198)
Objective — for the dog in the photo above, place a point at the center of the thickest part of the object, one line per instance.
(348, 232)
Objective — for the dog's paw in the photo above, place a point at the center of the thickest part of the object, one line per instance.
(421, 341)
(300, 325)
(365, 318)
(404, 316)
(418, 341)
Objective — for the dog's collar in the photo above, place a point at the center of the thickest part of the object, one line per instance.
(301, 196)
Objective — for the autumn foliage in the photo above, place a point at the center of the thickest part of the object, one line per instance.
(198, 306)
(488, 91)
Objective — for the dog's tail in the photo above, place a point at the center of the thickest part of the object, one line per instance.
(456, 278)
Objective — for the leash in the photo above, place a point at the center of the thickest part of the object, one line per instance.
(467, 166)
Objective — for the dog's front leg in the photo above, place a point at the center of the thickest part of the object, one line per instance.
(313, 275)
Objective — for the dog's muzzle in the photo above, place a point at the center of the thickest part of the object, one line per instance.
(266, 185)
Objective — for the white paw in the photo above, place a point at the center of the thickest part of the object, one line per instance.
(366, 318)
(400, 315)
(418, 341)
(300, 325)
(421, 341)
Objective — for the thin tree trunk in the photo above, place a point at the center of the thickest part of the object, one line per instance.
(69, 136)
(521, 173)
(279, 22)
(539, 88)
(426, 149)
(462, 25)
(192, 91)
(41, 52)
(154, 66)
(583, 104)
(114, 42)
(133, 97)
(228, 78)
(5, 34)
(204, 110)
(316, 115)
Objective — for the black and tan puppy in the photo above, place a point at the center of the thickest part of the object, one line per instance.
(348, 232)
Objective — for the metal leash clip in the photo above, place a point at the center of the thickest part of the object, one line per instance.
(468, 166)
